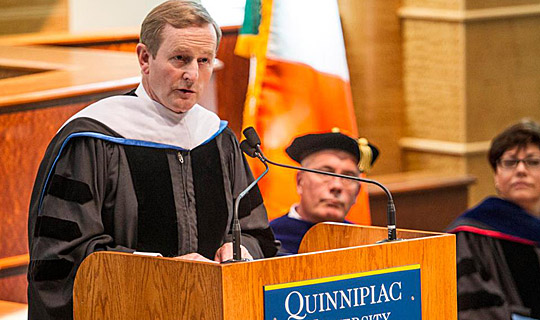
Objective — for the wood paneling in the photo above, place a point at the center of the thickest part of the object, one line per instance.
(70, 73)
(434, 73)
(331, 235)
(232, 81)
(14, 289)
(479, 4)
(164, 288)
(470, 70)
(499, 96)
(24, 137)
(33, 16)
(189, 295)
(232, 78)
(434, 4)
(423, 200)
(373, 42)
(32, 108)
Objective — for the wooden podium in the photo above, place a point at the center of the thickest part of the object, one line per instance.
(125, 286)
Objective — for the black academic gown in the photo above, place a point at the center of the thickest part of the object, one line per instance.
(498, 261)
(96, 190)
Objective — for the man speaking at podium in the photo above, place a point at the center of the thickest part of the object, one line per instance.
(150, 172)
(322, 197)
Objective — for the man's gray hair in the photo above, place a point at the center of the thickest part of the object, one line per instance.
(179, 14)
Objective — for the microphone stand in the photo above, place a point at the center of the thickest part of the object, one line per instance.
(236, 230)
(390, 211)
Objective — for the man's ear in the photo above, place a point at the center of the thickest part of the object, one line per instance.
(360, 186)
(299, 187)
(143, 55)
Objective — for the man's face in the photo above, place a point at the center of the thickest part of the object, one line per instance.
(182, 68)
(520, 185)
(325, 198)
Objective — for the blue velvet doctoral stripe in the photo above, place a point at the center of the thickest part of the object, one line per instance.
(289, 232)
(117, 140)
(505, 217)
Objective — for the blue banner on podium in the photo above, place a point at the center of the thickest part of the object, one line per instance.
(375, 295)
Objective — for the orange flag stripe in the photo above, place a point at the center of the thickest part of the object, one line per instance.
(289, 107)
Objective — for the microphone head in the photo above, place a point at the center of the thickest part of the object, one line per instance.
(252, 137)
(249, 150)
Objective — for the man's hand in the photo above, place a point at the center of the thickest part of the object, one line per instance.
(226, 253)
(194, 257)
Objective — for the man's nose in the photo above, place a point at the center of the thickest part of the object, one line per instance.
(336, 183)
(191, 71)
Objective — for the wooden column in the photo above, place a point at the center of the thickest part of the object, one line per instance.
(371, 29)
(471, 68)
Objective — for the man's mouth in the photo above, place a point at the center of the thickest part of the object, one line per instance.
(333, 203)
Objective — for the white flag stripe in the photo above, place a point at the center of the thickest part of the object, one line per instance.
(308, 32)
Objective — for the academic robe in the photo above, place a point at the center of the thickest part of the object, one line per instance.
(126, 174)
(498, 258)
(290, 231)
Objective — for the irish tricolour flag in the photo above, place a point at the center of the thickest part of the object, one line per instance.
(299, 84)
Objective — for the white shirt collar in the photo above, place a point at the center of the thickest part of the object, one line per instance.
(293, 213)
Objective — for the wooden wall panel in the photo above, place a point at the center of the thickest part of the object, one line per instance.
(423, 200)
(485, 185)
(374, 54)
(469, 72)
(419, 160)
(23, 16)
(435, 4)
(433, 78)
(481, 4)
(503, 74)
(24, 137)
(232, 81)
(232, 78)
(14, 289)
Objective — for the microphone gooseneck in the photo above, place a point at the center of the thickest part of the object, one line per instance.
(236, 230)
(255, 143)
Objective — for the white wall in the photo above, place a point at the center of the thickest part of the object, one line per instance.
(93, 15)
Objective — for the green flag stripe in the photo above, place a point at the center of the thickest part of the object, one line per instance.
(252, 17)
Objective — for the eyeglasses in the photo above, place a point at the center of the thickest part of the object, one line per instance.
(530, 163)
(326, 178)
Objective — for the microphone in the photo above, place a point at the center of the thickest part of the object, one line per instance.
(252, 137)
(254, 142)
(236, 230)
(249, 150)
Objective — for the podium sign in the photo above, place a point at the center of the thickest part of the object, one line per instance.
(393, 293)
